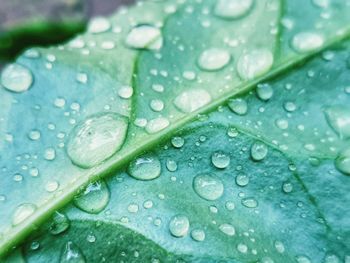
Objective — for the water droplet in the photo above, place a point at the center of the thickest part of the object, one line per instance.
(307, 41)
(279, 246)
(179, 225)
(145, 36)
(51, 186)
(16, 78)
(157, 124)
(227, 229)
(133, 208)
(177, 142)
(125, 92)
(91, 238)
(242, 180)
(303, 259)
(59, 224)
(171, 165)
(282, 124)
(287, 187)
(198, 235)
(342, 162)
(213, 59)
(94, 198)
(99, 25)
(71, 254)
(220, 159)
(208, 186)
(264, 91)
(146, 167)
(34, 245)
(321, 3)
(22, 212)
(249, 202)
(338, 117)
(258, 151)
(254, 63)
(50, 154)
(96, 139)
(157, 105)
(232, 9)
(238, 106)
(34, 135)
(289, 106)
(242, 248)
(332, 259)
(191, 100)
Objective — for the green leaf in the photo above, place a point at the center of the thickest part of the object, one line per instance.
(82, 120)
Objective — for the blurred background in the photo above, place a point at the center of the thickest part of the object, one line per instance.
(26, 23)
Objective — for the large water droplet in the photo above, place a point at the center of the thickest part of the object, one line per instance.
(191, 100)
(94, 198)
(254, 63)
(179, 225)
(146, 167)
(59, 224)
(258, 151)
(238, 106)
(22, 212)
(227, 229)
(338, 117)
(208, 186)
(231, 9)
(71, 254)
(213, 59)
(220, 159)
(96, 139)
(307, 41)
(16, 78)
(145, 36)
(342, 162)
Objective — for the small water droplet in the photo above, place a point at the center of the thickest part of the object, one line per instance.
(16, 78)
(59, 224)
(51, 186)
(279, 246)
(179, 225)
(220, 159)
(264, 91)
(242, 180)
(321, 3)
(213, 59)
(208, 186)
(72, 254)
(22, 212)
(227, 229)
(289, 106)
(249, 202)
(99, 25)
(303, 259)
(94, 198)
(342, 162)
(307, 41)
(287, 187)
(96, 139)
(34, 135)
(145, 36)
(232, 9)
(157, 124)
(146, 167)
(177, 142)
(191, 100)
(198, 235)
(258, 151)
(254, 63)
(243, 248)
(238, 106)
(125, 92)
(50, 154)
(157, 105)
(338, 117)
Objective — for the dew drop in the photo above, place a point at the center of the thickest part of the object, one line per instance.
(145, 36)
(258, 151)
(321, 3)
(238, 106)
(249, 202)
(72, 254)
(307, 41)
(242, 180)
(157, 105)
(264, 91)
(94, 198)
(16, 78)
(342, 162)
(146, 167)
(303, 259)
(34, 135)
(287, 187)
(96, 139)
(59, 224)
(51, 186)
(177, 142)
(338, 118)
(289, 106)
(171, 165)
(50, 154)
(254, 63)
(99, 25)
(179, 225)
(198, 235)
(157, 124)
(220, 159)
(213, 59)
(22, 212)
(191, 100)
(227, 229)
(232, 9)
(243, 248)
(125, 92)
(208, 186)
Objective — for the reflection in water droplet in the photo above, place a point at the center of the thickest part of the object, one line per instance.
(342, 162)
(338, 117)
(145, 36)
(238, 106)
(94, 198)
(71, 254)
(254, 63)
(220, 159)
(227, 229)
(179, 226)
(16, 78)
(307, 41)
(96, 139)
(59, 224)
(208, 186)
(258, 151)
(232, 9)
(191, 100)
(213, 59)
(146, 167)
(22, 212)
